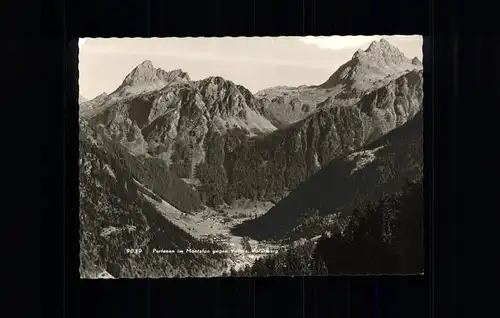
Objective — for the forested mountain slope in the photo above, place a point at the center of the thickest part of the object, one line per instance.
(366, 174)
(266, 167)
(116, 217)
(382, 237)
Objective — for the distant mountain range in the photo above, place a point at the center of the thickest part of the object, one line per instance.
(316, 152)
(182, 119)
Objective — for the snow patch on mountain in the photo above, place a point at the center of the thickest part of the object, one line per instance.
(363, 158)
(316, 161)
(109, 171)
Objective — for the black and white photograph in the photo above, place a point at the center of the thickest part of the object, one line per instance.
(251, 156)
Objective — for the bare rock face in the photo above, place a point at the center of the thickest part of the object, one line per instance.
(286, 105)
(367, 70)
(165, 115)
(145, 77)
(393, 104)
(415, 61)
(225, 99)
(81, 99)
(89, 105)
(379, 61)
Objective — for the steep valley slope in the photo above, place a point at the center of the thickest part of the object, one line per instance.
(115, 217)
(325, 201)
(267, 167)
(383, 236)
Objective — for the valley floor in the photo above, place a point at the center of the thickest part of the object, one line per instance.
(215, 225)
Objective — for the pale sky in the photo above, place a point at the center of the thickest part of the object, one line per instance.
(256, 62)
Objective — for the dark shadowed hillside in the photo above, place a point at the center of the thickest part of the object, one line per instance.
(382, 237)
(366, 174)
(150, 171)
(156, 175)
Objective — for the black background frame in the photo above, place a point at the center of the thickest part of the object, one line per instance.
(461, 161)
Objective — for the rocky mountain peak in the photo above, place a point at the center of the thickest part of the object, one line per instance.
(146, 73)
(383, 51)
(146, 64)
(415, 61)
(380, 60)
(217, 80)
(233, 103)
(146, 77)
(214, 86)
(222, 96)
(381, 44)
(180, 74)
(141, 71)
(358, 54)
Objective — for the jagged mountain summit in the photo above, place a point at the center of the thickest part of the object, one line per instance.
(81, 99)
(379, 61)
(366, 71)
(145, 77)
(178, 121)
(215, 95)
(415, 61)
(225, 99)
